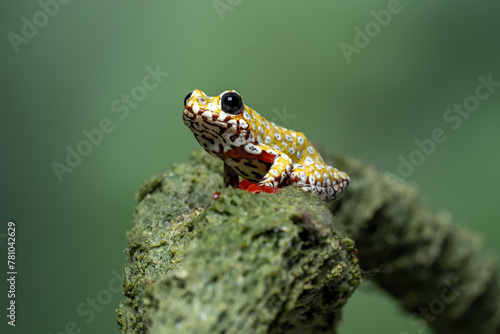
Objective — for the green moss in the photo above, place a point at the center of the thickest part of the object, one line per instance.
(419, 256)
(265, 263)
(260, 264)
(163, 224)
(243, 263)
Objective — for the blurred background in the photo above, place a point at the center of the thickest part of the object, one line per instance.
(91, 101)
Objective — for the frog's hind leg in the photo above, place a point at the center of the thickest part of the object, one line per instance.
(327, 181)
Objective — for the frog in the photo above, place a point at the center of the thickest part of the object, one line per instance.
(264, 155)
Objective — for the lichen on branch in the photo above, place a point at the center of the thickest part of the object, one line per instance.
(247, 263)
(239, 264)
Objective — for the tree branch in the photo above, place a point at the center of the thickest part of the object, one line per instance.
(434, 268)
(243, 263)
(280, 263)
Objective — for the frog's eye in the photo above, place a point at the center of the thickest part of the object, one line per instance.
(187, 98)
(231, 103)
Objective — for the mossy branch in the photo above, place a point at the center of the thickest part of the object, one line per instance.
(434, 268)
(265, 263)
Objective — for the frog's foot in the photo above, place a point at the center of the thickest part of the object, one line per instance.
(256, 188)
(244, 184)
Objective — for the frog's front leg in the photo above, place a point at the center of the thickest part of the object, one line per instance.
(279, 171)
(275, 174)
(231, 178)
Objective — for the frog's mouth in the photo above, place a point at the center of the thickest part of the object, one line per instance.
(203, 116)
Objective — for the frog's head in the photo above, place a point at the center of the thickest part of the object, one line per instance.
(219, 123)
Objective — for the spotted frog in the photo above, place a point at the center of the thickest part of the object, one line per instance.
(265, 155)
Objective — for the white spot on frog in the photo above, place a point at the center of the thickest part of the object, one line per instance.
(303, 177)
(243, 124)
(211, 107)
(252, 149)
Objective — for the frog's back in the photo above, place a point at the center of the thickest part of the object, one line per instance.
(294, 144)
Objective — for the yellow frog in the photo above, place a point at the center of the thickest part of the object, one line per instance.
(267, 155)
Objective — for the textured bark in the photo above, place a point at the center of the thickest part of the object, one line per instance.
(434, 268)
(243, 263)
(265, 263)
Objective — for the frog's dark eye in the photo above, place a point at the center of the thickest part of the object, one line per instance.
(187, 98)
(231, 103)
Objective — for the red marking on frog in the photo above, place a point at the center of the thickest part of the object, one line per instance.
(256, 188)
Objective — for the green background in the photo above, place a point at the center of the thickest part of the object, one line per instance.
(280, 55)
